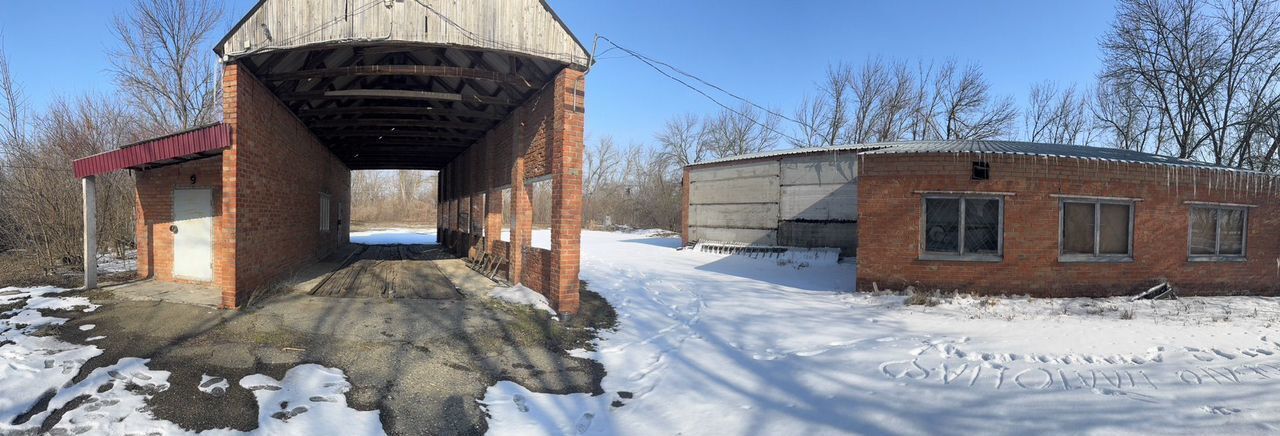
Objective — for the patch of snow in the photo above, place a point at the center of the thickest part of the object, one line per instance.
(528, 414)
(713, 344)
(112, 399)
(110, 263)
(87, 327)
(394, 237)
(32, 366)
(519, 294)
(95, 338)
(540, 238)
(216, 386)
(310, 400)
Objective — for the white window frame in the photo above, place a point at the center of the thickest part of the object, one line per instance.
(960, 254)
(1217, 237)
(1097, 256)
(326, 212)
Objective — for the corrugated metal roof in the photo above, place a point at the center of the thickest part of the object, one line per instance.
(173, 148)
(993, 147)
(794, 151)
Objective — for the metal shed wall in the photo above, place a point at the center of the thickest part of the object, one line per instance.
(807, 200)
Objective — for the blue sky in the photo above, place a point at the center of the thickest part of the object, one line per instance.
(771, 52)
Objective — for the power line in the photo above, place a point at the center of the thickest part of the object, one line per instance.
(647, 61)
(700, 80)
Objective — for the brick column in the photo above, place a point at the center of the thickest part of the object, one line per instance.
(566, 151)
(521, 206)
(224, 254)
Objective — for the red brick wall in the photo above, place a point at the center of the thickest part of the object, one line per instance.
(890, 206)
(275, 177)
(154, 199)
(542, 138)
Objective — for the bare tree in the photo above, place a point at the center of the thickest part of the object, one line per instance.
(163, 63)
(683, 140)
(825, 118)
(600, 165)
(868, 86)
(968, 111)
(1056, 115)
(741, 131)
(12, 106)
(1205, 73)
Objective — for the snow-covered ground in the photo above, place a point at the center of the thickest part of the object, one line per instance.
(394, 236)
(712, 344)
(110, 263)
(310, 400)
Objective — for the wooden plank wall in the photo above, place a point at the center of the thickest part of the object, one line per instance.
(521, 26)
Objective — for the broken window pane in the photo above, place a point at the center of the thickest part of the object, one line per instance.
(1232, 232)
(942, 225)
(1113, 232)
(982, 226)
(1203, 229)
(1077, 228)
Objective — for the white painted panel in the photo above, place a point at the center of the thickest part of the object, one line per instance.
(193, 242)
(752, 216)
(742, 236)
(752, 190)
(820, 202)
(751, 169)
(822, 168)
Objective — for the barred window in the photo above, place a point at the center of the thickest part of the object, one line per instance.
(1217, 232)
(963, 228)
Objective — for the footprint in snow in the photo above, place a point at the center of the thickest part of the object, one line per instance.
(1220, 410)
(286, 415)
(1224, 354)
(584, 422)
(1130, 395)
(521, 405)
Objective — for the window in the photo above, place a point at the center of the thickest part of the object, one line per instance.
(963, 228)
(540, 196)
(508, 218)
(324, 212)
(1217, 233)
(1096, 230)
(480, 205)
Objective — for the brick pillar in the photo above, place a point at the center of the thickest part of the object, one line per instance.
(224, 254)
(521, 206)
(566, 151)
(684, 208)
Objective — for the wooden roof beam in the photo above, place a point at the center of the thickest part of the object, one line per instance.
(401, 70)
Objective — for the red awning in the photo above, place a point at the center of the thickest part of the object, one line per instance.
(166, 150)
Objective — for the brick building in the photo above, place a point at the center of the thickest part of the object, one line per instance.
(1000, 217)
(490, 93)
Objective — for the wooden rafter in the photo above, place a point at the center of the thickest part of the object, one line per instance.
(400, 70)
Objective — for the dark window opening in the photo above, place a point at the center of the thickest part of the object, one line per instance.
(981, 171)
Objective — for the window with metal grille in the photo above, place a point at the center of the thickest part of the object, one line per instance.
(963, 228)
(1217, 233)
(1096, 230)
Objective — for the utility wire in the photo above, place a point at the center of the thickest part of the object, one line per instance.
(651, 63)
(699, 79)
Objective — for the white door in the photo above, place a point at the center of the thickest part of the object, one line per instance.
(193, 234)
